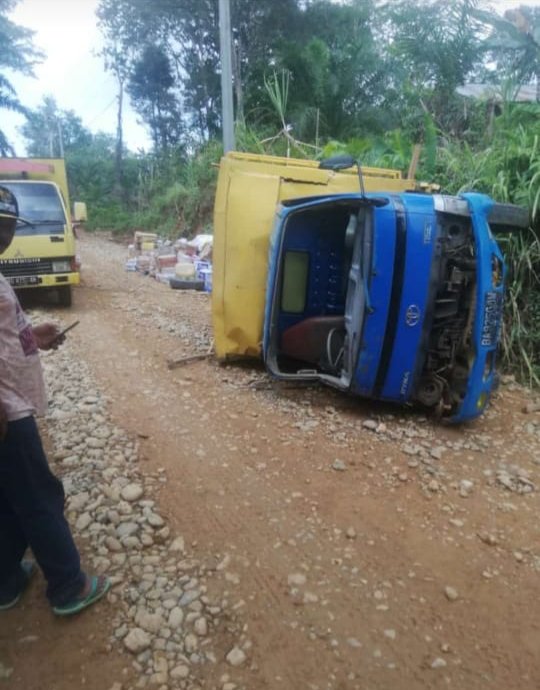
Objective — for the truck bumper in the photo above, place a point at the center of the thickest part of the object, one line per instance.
(489, 312)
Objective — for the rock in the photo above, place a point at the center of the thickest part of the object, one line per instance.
(201, 627)
(439, 662)
(236, 657)
(127, 529)
(78, 502)
(83, 522)
(310, 598)
(116, 686)
(531, 407)
(180, 672)
(28, 639)
(455, 522)
(489, 539)
(465, 488)
(177, 545)
(98, 443)
(390, 634)
(161, 667)
(189, 597)
(191, 644)
(451, 593)
(434, 486)
(339, 466)
(155, 520)
(113, 544)
(137, 641)
(296, 580)
(176, 618)
(370, 424)
(151, 622)
(350, 533)
(132, 492)
(5, 672)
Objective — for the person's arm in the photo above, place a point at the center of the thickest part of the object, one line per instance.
(47, 336)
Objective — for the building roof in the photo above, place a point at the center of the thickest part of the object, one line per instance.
(524, 94)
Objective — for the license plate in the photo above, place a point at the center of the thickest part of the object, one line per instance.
(19, 281)
(492, 319)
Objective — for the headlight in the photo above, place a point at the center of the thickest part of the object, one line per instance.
(482, 400)
(61, 266)
(496, 271)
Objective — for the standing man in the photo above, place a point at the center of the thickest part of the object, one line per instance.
(31, 497)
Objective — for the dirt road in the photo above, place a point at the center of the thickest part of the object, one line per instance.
(338, 544)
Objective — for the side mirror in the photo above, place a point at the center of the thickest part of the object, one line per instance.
(341, 162)
(79, 212)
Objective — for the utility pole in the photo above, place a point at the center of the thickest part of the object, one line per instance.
(226, 75)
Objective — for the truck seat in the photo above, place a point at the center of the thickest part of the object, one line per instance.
(307, 340)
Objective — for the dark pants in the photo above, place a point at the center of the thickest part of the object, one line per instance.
(32, 514)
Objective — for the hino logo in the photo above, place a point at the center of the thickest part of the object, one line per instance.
(412, 315)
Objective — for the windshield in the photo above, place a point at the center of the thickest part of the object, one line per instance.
(40, 205)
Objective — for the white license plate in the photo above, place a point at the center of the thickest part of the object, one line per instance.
(492, 319)
(19, 281)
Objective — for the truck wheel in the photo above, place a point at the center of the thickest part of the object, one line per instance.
(64, 295)
(508, 218)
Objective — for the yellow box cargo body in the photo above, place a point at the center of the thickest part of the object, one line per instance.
(250, 188)
(42, 254)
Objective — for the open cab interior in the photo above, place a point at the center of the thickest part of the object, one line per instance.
(318, 291)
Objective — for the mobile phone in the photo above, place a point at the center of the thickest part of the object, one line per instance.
(68, 328)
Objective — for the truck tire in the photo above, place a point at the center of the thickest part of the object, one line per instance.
(178, 284)
(64, 296)
(508, 218)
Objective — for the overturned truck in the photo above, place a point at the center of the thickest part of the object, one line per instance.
(360, 280)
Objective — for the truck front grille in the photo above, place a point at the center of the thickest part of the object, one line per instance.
(11, 268)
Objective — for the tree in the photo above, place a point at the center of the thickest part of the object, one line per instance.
(150, 87)
(515, 40)
(187, 33)
(17, 55)
(51, 132)
(435, 45)
(336, 69)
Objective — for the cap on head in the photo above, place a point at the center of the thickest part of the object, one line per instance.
(8, 204)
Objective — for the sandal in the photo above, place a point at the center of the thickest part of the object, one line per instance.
(28, 569)
(99, 586)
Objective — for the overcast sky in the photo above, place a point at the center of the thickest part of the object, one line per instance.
(66, 31)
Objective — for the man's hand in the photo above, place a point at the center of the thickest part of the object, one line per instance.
(47, 336)
(3, 422)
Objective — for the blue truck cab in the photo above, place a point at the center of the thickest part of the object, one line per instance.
(390, 296)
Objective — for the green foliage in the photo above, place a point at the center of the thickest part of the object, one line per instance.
(17, 54)
(150, 87)
(505, 163)
(50, 131)
(521, 332)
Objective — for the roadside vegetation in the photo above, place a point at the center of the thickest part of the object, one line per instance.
(311, 78)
